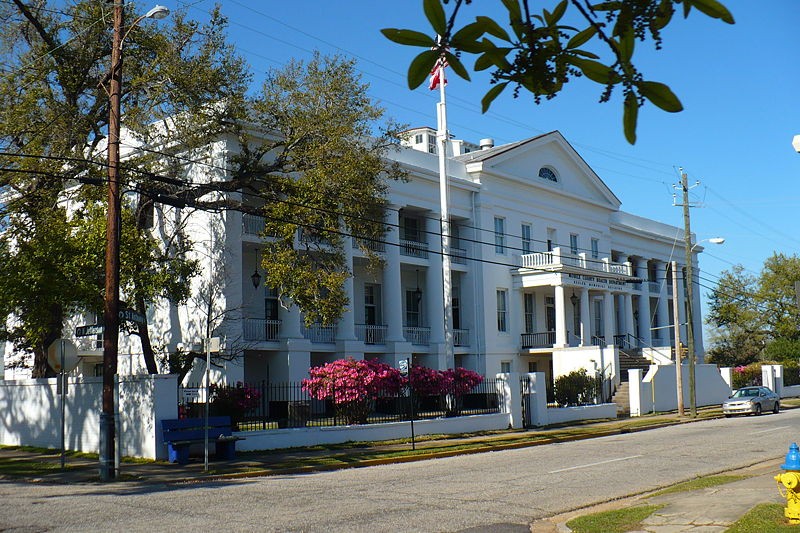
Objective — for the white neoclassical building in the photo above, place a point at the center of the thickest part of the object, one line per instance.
(548, 275)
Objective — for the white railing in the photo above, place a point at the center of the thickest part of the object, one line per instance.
(319, 334)
(414, 248)
(371, 334)
(538, 259)
(458, 256)
(418, 336)
(557, 259)
(258, 329)
(375, 246)
(460, 337)
(252, 224)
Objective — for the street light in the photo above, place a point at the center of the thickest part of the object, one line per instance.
(111, 297)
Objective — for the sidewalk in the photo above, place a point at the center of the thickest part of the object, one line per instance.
(709, 510)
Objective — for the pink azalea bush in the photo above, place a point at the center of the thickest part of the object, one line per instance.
(352, 384)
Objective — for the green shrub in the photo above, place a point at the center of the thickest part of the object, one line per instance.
(791, 373)
(576, 388)
(746, 375)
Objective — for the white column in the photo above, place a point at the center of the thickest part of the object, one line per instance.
(561, 318)
(392, 284)
(663, 303)
(644, 305)
(292, 323)
(628, 299)
(586, 321)
(346, 329)
(433, 310)
(608, 317)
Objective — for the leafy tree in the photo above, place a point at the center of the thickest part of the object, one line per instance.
(184, 89)
(755, 317)
(542, 52)
(54, 108)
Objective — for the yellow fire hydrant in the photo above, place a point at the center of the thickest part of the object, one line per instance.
(791, 480)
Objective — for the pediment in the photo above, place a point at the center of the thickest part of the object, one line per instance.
(565, 172)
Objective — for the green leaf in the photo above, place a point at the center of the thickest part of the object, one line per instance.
(421, 67)
(458, 67)
(661, 95)
(582, 37)
(493, 57)
(584, 53)
(607, 6)
(594, 70)
(466, 38)
(630, 115)
(489, 97)
(492, 28)
(625, 44)
(435, 14)
(557, 13)
(713, 9)
(408, 37)
(513, 8)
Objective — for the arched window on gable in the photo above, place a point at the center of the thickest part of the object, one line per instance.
(548, 174)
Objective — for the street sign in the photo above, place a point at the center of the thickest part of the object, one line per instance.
(132, 316)
(88, 330)
(403, 367)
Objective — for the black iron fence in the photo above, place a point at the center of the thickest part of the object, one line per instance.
(266, 405)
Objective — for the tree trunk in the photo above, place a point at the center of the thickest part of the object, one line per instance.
(144, 338)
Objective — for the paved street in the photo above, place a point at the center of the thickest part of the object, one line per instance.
(475, 491)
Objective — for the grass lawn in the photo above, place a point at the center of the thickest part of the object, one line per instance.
(764, 518)
(618, 521)
(698, 483)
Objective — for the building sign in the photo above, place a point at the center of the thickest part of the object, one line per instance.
(594, 282)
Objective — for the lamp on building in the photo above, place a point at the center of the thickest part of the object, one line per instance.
(574, 298)
(256, 277)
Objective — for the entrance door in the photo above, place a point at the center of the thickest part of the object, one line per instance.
(550, 313)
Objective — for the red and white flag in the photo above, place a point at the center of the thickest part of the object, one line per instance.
(437, 74)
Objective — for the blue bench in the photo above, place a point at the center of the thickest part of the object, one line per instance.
(180, 434)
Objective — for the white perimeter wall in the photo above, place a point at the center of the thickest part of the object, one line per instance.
(31, 413)
(657, 390)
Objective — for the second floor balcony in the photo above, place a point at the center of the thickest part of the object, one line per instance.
(559, 260)
(260, 330)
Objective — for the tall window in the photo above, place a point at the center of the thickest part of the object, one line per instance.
(456, 305)
(595, 249)
(526, 239)
(410, 229)
(573, 243)
(551, 239)
(530, 317)
(499, 235)
(502, 310)
(271, 303)
(418, 138)
(413, 319)
(371, 314)
(431, 144)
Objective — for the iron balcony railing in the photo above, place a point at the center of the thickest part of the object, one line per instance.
(375, 246)
(460, 337)
(543, 339)
(371, 334)
(258, 329)
(414, 248)
(319, 334)
(418, 336)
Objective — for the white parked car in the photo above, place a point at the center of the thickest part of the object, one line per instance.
(751, 401)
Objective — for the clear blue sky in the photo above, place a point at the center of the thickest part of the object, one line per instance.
(738, 84)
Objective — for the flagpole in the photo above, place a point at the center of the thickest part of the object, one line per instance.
(442, 139)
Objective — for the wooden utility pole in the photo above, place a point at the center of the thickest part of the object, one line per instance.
(678, 344)
(687, 240)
